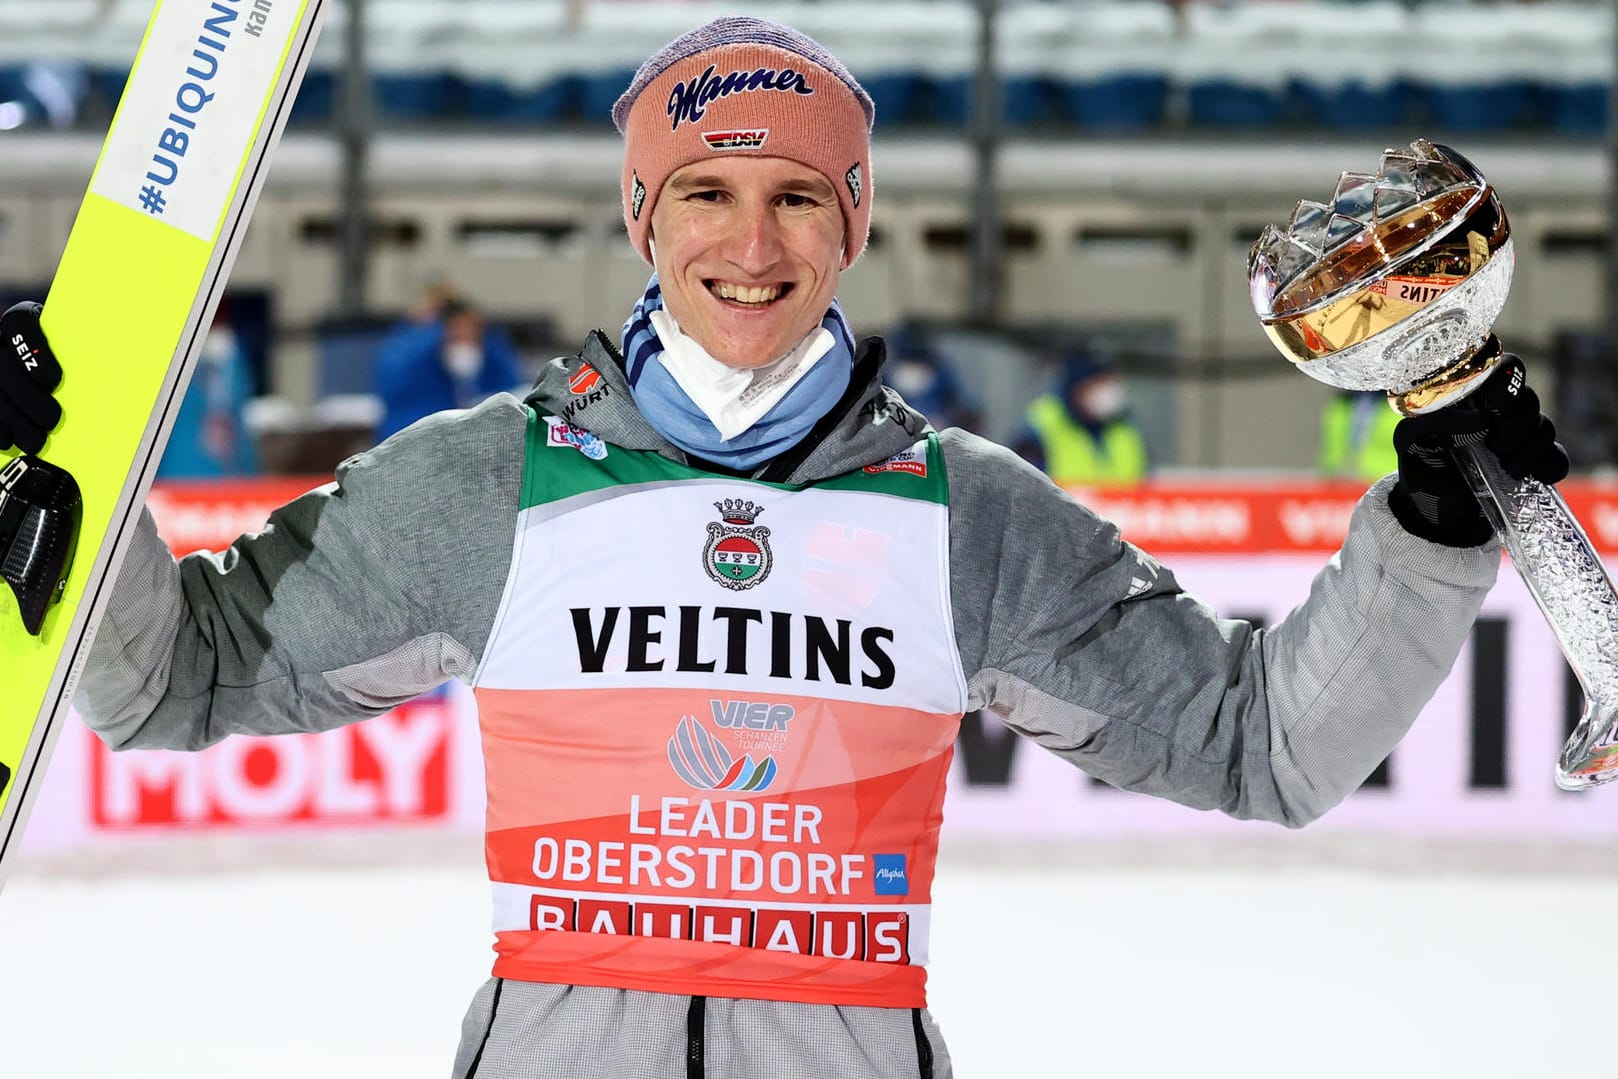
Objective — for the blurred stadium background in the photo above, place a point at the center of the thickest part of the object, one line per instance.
(1055, 178)
(1140, 147)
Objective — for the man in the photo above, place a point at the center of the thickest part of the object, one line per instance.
(1080, 434)
(453, 360)
(209, 439)
(723, 598)
(925, 377)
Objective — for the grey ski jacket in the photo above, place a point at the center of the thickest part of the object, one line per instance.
(362, 594)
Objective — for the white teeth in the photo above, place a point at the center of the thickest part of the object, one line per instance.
(743, 294)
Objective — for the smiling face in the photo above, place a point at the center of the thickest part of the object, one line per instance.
(748, 251)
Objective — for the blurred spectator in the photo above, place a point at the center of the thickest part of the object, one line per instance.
(209, 439)
(421, 321)
(453, 360)
(922, 375)
(1356, 436)
(1080, 433)
(429, 306)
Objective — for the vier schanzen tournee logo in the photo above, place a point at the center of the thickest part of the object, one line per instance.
(737, 553)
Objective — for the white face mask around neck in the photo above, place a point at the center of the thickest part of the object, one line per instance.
(733, 398)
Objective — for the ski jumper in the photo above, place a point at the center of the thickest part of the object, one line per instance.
(731, 768)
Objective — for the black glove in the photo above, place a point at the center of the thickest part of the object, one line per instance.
(1432, 498)
(29, 374)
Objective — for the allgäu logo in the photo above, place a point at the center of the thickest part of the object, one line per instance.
(888, 875)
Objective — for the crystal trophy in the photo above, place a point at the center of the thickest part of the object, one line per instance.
(1394, 285)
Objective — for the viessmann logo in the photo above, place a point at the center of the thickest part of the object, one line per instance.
(912, 461)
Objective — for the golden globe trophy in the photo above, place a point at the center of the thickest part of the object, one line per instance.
(1394, 285)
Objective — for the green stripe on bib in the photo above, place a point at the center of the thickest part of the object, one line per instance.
(563, 460)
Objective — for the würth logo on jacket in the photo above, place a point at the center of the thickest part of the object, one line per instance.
(737, 553)
(584, 380)
(588, 388)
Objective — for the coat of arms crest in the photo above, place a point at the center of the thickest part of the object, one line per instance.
(737, 553)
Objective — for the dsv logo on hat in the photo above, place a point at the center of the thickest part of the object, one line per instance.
(690, 101)
(735, 140)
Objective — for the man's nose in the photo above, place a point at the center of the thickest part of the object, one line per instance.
(754, 244)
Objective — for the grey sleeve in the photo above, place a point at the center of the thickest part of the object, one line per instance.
(1087, 645)
(355, 598)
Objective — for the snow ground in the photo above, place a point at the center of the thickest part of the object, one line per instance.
(1066, 969)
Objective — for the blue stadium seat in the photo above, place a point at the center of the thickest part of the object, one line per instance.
(1110, 67)
(1355, 104)
(599, 90)
(497, 99)
(1574, 86)
(1452, 65)
(616, 37)
(416, 95)
(1123, 101)
(1355, 75)
(910, 55)
(1235, 60)
(1030, 38)
(1023, 101)
(1577, 108)
(517, 62)
(1492, 61)
(410, 75)
(316, 102)
(1480, 106)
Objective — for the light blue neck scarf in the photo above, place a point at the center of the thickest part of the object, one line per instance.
(672, 413)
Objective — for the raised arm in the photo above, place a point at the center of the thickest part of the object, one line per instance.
(354, 599)
(1089, 646)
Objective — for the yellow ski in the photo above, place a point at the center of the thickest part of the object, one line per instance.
(131, 300)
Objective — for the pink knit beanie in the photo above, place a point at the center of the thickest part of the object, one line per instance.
(745, 86)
